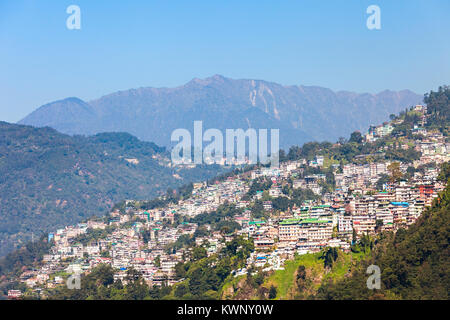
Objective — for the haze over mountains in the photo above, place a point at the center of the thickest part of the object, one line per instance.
(302, 113)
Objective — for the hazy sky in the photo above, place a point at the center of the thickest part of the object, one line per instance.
(129, 44)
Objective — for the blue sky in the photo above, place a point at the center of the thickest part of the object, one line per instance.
(129, 44)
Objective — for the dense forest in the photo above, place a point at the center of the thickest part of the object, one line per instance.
(49, 180)
(438, 108)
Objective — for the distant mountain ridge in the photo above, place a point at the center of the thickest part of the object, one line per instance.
(302, 113)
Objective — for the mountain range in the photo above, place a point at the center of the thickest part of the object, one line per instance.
(302, 113)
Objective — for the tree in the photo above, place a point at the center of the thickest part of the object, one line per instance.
(281, 203)
(145, 235)
(295, 153)
(301, 276)
(342, 140)
(199, 253)
(329, 256)
(259, 279)
(378, 225)
(444, 173)
(136, 290)
(104, 274)
(438, 109)
(157, 261)
(356, 137)
(258, 210)
(132, 275)
(201, 231)
(384, 178)
(272, 292)
(410, 172)
(180, 271)
(354, 236)
(394, 170)
(181, 290)
(197, 282)
(223, 268)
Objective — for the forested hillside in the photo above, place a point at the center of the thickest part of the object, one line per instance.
(438, 103)
(49, 180)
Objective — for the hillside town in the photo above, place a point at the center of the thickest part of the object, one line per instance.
(366, 198)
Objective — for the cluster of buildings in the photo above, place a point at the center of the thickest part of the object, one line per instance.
(355, 208)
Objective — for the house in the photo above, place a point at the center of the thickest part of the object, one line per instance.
(14, 294)
(263, 244)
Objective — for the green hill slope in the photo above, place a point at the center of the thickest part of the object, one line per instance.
(50, 180)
